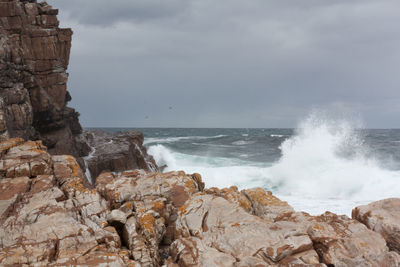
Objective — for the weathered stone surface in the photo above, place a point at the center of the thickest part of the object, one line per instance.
(383, 217)
(341, 241)
(229, 229)
(34, 56)
(48, 217)
(191, 251)
(27, 159)
(118, 152)
(149, 201)
(265, 205)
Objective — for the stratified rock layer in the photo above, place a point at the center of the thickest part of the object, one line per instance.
(49, 218)
(34, 56)
(138, 218)
(117, 152)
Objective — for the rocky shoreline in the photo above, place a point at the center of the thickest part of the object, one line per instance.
(75, 198)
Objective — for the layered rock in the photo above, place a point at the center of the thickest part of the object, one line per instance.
(48, 217)
(34, 56)
(116, 152)
(383, 217)
(220, 230)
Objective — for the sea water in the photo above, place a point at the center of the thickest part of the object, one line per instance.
(320, 166)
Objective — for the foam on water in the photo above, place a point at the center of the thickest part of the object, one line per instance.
(177, 139)
(324, 166)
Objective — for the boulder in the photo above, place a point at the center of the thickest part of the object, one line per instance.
(117, 152)
(383, 217)
(341, 241)
(230, 230)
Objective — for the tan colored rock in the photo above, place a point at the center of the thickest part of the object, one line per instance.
(233, 195)
(154, 198)
(27, 159)
(383, 217)
(341, 241)
(177, 187)
(266, 205)
(191, 251)
(229, 229)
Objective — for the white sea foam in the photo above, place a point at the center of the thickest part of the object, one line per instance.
(277, 135)
(242, 143)
(324, 166)
(154, 140)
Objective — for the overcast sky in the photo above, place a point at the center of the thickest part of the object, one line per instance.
(232, 63)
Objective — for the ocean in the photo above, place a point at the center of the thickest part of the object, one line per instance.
(319, 166)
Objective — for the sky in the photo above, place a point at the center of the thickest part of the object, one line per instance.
(232, 63)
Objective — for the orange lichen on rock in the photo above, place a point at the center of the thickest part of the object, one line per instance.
(183, 209)
(158, 206)
(9, 143)
(191, 185)
(73, 165)
(147, 222)
(267, 199)
(233, 195)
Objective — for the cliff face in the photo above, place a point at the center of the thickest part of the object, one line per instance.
(34, 56)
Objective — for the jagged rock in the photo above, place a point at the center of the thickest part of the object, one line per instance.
(191, 251)
(233, 195)
(383, 217)
(265, 205)
(341, 241)
(27, 159)
(154, 199)
(138, 218)
(119, 152)
(50, 218)
(34, 56)
(231, 230)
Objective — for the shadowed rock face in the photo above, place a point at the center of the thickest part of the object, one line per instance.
(34, 56)
(117, 152)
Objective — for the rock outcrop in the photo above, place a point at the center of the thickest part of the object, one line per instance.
(383, 217)
(116, 152)
(49, 218)
(139, 218)
(34, 56)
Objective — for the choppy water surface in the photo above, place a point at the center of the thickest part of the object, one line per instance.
(322, 165)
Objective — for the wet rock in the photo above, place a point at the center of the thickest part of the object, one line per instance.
(117, 152)
(383, 217)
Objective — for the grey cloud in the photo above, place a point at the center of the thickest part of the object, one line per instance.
(232, 63)
(107, 13)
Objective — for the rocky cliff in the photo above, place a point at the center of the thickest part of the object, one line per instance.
(34, 56)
